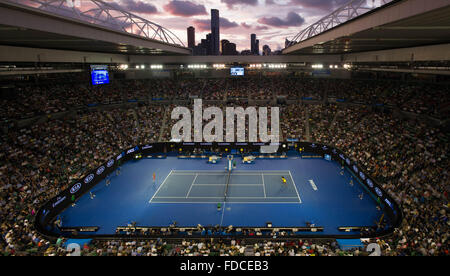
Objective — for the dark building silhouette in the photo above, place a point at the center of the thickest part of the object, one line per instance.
(228, 48)
(204, 47)
(252, 43)
(266, 50)
(191, 37)
(215, 33)
(257, 47)
(223, 42)
(286, 43)
(212, 44)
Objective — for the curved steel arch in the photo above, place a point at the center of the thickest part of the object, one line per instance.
(109, 15)
(348, 11)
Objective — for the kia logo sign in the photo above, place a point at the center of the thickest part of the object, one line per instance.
(100, 170)
(89, 178)
(378, 191)
(75, 188)
(110, 163)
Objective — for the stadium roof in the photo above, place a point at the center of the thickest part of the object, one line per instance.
(399, 24)
(30, 27)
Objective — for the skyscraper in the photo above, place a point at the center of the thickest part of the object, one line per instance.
(257, 47)
(209, 44)
(215, 34)
(223, 43)
(253, 43)
(191, 37)
(266, 50)
(228, 48)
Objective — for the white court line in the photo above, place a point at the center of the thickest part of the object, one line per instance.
(262, 173)
(264, 186)
(237, 171)
(228, 184)
(313, 185)
(192, 184)
(293, 182)
(234, 173)
(160, 186)
(256, 197)
(214, 202)
(223, 212)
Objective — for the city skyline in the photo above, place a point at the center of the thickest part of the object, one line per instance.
(271, 20)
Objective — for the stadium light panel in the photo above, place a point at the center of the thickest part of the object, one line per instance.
(219, 66)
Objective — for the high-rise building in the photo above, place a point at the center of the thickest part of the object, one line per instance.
(204, 47)
(215, 33)
(228, 48)
(209, 44)
(191, 37)
(253, 43)
(257, 47)
(223, 42)
(266, 50)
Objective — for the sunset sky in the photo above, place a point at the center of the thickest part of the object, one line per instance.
(271, 20)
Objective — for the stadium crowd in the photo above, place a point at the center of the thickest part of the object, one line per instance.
(48, 98)
(409, 157)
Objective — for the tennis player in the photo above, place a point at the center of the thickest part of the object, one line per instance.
(283, 180)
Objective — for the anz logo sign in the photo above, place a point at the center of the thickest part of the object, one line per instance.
(132, 150)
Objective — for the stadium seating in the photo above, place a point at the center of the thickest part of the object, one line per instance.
(409, 156)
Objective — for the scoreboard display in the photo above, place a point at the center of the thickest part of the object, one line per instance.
(99, 74)
(237, 71)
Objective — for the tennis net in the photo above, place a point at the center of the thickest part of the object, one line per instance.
(226, 187)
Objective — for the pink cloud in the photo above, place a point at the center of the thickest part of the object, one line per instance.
(292, 19)
(231, 3)
(185, 8)
(205, 24)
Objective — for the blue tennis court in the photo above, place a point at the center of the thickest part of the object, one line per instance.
(211, 186)
(187, 191)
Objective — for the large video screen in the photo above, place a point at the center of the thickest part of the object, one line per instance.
(99, 75)
(237, 71)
